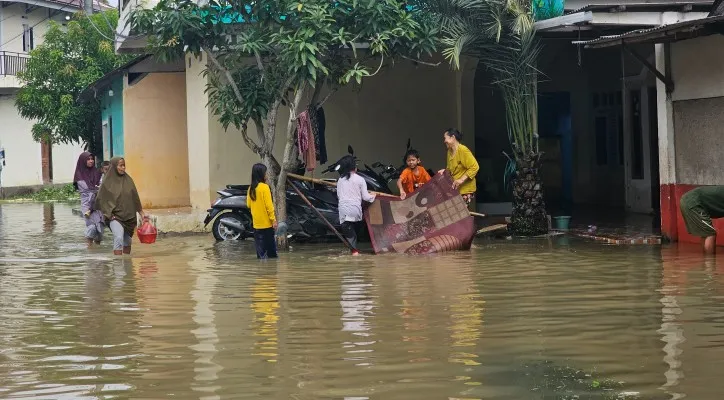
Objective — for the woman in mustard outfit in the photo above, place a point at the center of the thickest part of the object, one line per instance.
(461, 164)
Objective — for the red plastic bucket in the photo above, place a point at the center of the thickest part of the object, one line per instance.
(147, 232)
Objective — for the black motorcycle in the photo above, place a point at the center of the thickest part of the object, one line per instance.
(232, 219)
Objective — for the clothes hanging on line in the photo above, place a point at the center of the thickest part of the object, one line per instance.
(307, 148)
(319, 122)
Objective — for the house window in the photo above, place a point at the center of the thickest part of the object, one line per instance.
(28, 39)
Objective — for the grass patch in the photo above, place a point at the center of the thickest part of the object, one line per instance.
(49, 193)
(52, 193)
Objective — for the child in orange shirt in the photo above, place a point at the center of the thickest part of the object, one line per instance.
(413, 176)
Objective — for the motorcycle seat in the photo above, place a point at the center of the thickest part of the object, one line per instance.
(237, 192)
(326, 196)
(238, 187)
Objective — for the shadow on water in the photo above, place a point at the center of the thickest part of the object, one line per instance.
(554, 318)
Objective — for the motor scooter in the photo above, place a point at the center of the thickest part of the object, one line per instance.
(232, 219)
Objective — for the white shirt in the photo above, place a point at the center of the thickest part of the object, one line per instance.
(351, 192)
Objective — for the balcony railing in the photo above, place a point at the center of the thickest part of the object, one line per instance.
(12, 63)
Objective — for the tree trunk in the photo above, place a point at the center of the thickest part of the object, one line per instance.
(529, 212)
(289, 163)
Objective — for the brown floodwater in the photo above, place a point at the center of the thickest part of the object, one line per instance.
(187, 318)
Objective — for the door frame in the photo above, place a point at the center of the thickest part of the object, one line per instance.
(638, 191)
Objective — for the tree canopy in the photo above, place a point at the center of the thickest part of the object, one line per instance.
(283, 53)
(501, 34)
(69, 59)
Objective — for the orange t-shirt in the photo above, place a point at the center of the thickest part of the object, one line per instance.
(410, 181)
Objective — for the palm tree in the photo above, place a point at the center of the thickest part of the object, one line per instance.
(501, 35)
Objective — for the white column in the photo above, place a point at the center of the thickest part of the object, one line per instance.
(197, 122)
(665, 117)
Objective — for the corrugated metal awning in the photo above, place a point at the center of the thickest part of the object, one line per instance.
(664, 33)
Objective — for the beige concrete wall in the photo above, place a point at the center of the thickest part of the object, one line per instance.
(698, 109)
(699, 148)
(703, 78)
(406, 101)
(230, 158)
(154, 119)
(400, 103)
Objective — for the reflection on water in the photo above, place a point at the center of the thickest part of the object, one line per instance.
(265, 303)
(187, 318)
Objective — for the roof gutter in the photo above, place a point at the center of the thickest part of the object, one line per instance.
(564, 20)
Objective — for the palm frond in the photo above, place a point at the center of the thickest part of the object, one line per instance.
(502, 35)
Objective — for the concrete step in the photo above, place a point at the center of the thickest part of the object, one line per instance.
(174, 220)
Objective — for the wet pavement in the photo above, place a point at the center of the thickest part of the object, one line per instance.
(556, 318)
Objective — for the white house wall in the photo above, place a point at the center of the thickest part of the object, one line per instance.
(22, 153)
(65, 157)
(12, 26)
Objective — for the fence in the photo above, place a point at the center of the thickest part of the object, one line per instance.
(12, 63)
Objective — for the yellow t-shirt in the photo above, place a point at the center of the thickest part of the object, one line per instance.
(262, 209)
(463, 163)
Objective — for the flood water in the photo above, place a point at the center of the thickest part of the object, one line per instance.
(187, 318)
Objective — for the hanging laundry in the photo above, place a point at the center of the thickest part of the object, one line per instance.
(306, 141)
(313, 123)
(318, 126)
(302, 145)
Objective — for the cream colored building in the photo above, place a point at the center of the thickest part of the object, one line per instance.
(181, 134)
(597, 137)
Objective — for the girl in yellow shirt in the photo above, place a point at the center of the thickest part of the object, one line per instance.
(461, 164)
(259, 201)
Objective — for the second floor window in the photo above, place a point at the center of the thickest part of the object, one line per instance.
(28, 40)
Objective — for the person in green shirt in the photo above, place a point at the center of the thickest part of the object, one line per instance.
(698, 207)
(461, 164)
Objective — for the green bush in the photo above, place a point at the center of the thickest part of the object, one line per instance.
(54, 193)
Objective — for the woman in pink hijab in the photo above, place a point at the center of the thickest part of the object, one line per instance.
(86, 180)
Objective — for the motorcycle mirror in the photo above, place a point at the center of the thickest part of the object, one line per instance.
(350, 150)
(336, 168)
